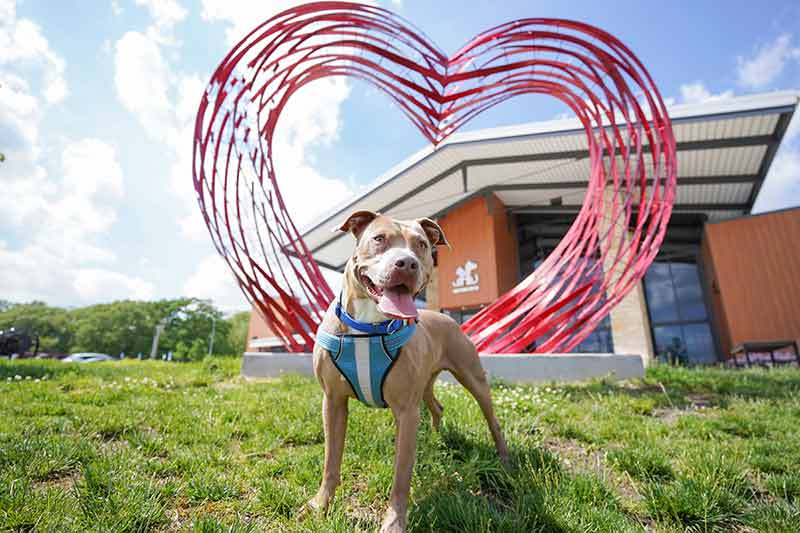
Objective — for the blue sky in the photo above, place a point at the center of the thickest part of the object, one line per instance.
(97, 100)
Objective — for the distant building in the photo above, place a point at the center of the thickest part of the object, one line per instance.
(506, 196)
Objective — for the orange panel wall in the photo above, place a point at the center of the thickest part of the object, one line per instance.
(752, 265)
(258, 326)
(479, 231)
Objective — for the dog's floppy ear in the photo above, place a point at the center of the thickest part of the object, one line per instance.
(434, 232)
(357, 222)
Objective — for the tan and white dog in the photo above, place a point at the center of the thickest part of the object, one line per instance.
(391, 264)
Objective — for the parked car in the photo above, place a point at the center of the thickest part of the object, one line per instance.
(87, 357)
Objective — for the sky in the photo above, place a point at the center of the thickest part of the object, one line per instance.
(98, 99)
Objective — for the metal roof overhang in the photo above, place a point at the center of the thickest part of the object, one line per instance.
(725, 149)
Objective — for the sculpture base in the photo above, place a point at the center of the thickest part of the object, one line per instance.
(510, 368)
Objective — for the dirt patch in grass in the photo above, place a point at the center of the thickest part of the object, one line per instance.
(638, 388)
(359, 513)
(65, 482)
(696, 403)
(577, 458)
(226, 385)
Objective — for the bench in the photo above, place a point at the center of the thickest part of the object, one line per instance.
(766, 354)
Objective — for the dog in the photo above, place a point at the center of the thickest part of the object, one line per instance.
(391, 264)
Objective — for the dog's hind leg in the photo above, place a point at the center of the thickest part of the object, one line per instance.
(433, 404)
(465, 365)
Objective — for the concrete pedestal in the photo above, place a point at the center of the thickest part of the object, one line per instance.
(511, 368)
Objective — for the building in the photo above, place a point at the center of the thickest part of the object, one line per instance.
(505, 197)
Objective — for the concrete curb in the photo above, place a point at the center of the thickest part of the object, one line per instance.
(511, 368)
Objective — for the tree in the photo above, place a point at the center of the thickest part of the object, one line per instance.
(198, 350)
(128, 326)
(181, 352)
(189, 319)
(239, 324)
(51, 324)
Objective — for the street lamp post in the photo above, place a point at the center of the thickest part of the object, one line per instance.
(159, 328)
(213, 332)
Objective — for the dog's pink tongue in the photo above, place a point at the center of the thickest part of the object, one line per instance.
(397, 304)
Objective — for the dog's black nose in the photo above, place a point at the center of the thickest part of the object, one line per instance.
(406, 264)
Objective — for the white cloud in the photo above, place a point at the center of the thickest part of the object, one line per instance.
(241, 16)
(166, 14)
(56, 219)
(59, 214)
(165, 102)
(767, 63)
(96, 284)
(23, 176)
(22, 42)
(311, 118)
(782, 187)
(212, 279)
(116, 9)
(92, 183)
(697, 93)
(142, 81)
(60, 259)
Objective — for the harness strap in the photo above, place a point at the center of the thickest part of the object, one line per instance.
(396, 340)
(332, 343)
(365, 360)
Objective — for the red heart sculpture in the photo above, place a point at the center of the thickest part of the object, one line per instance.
(605, 253)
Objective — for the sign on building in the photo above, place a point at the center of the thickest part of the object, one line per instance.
(466, 278)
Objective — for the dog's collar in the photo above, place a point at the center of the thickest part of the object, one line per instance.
(387, 327)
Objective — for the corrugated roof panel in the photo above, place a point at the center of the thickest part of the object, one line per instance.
(337, 251)
(527, 172)
(747, 117)
(721, 161)
(432, 199)
(716, 193)
(541, 197)
(717, 216)
(728, 128)
(730, 193)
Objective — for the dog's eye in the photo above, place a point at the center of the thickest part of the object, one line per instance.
(379, 239)
(423, 245)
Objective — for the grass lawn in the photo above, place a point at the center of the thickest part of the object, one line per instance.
(138, 446)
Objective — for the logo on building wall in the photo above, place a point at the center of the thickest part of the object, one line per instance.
(466, 278)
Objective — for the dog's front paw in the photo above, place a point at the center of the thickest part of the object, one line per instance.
(394, 522)
(311, 507)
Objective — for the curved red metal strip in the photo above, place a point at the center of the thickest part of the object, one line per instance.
(603, 255)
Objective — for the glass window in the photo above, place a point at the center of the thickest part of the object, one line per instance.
(669, 345)
(699, 343)
(660, 294)
(599, 341)
(688, 290)
(678, 315)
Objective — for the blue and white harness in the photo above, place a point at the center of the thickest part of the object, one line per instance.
(365, 359)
